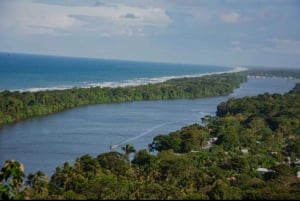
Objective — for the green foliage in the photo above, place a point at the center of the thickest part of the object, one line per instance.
(38, 185)
(223, 191)
(11, 178)
(143, 160)
(291, 73)
(15, 106)
(128, 149)
(114, 161)
(246, 134)
(190, 138)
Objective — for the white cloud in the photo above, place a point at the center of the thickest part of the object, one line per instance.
(36, 18)
(285, 46)
(33, 18)
(231, 17)
(130, 32)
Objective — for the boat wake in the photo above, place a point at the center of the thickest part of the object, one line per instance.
(150, 130)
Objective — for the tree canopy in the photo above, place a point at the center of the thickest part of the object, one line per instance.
(250, 150)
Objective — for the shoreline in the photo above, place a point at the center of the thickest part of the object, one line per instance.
(132, 139)
(126, 83)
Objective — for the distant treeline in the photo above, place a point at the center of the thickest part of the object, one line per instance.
(16, 106)
(270, 72)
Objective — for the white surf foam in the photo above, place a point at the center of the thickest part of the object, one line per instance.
(133, 82)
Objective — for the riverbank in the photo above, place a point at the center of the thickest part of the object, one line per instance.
(16, 106)
(63, 136)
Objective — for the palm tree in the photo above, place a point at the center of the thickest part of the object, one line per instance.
(128, 149)
(12, 172)
(63, 176)
(38, 183)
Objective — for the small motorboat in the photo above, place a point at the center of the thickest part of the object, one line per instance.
(114, 146)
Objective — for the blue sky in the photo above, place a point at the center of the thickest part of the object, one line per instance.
(228, 32)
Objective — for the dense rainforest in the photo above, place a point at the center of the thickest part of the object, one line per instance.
(249, 150)
(274, 72)
(16, 105)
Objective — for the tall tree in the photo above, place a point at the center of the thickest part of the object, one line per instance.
(128, 149)
(38, 183)
(12, 173)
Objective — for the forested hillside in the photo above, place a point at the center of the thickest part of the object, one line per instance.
(250, 150)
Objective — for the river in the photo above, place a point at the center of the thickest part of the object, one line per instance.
(47, 142)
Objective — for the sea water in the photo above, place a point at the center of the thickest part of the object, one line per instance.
(24, 72)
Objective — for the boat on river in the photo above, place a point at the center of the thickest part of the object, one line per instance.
(114, 146)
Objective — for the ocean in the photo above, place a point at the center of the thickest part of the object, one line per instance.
(25, 72)
(46, 142)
